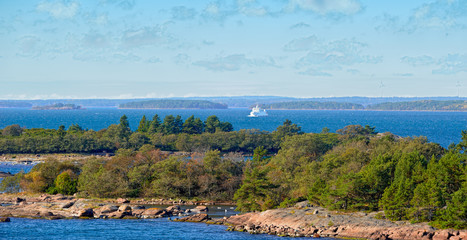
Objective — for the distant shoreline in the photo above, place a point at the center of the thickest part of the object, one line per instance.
(179, 108)
(372, 110)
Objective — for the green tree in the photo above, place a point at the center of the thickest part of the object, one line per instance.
(124, 128)
(61, 131)
(75, 128)
(178, 124)
(12, 130)
(211, 124)
(254, 190)
(168, 126)
(154, 125)
(11, 184)
(143, 125)
(66, 183)
(190, 127)
(397, 197)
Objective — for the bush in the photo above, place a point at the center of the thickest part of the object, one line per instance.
(66, 183)
(12, 184)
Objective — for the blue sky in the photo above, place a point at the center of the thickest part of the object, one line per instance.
(298, 48)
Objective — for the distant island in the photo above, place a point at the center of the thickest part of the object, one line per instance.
(14, 104)
(312, 105)
(58, 106)
(423, 105)
(174, 104)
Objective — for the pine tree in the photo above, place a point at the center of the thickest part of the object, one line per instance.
(143, 125)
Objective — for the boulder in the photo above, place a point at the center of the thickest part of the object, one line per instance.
(200, 209)
(137, 207)
(46, 214)
(19, 200)
(108, 209)
(119, 214)
(59, 197)
(122, 200)
(68, 204)
(200, 217)
(173, 208)
(4, 219)
(442, 235)
(138, 212)
(301, 205)
(151, 212)
(86, 213)
(124, 208)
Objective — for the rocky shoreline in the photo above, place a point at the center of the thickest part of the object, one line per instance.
(59, 206)
(303, 220)
(309, 221)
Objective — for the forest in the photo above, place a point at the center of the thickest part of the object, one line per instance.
(174, 104)
(313, 105)
(423, 105)
(58, 106)
(354, 169)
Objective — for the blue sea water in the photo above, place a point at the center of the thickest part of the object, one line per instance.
(441, 127)
(121, 229)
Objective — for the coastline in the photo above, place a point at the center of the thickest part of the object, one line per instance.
(302, 220)
(370, 110)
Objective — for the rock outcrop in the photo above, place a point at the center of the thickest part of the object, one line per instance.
(59, 206)
(315, 222)
(200, 217)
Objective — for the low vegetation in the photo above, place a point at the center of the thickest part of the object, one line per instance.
(423, 105)
(354, 169)
(313, 105)
(184, 104)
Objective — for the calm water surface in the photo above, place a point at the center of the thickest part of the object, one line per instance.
(440, 127)
(20, 228)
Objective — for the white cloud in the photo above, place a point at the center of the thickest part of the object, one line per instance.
(183, 13)
(234, 62)
(418, 61)
(153, 60)
(123, 4)
(182, 59)
(331, 55)
(315, 73)
(300, 25)
(452, 64)
(303, 44)
(95, 40)
(59, 10)
(437, 15)
(30, 46)
(155, 36)
(403, 74)
(440, 14)
(447, 65)
(324, 7)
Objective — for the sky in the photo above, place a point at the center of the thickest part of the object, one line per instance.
(298, 48)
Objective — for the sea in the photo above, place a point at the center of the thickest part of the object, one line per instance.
(440, 127)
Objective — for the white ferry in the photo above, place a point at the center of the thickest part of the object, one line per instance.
(258, 112)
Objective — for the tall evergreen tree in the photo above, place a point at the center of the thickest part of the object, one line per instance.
(143, 125)
(155, 124)
(124, 128)
(168, 126)
(212, 123)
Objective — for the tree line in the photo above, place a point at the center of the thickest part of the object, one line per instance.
(173, 104)
(423, 105)
(313, 105)
(354, 169)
